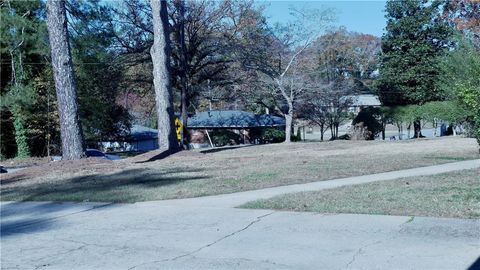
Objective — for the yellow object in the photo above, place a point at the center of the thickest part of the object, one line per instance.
(178, 128)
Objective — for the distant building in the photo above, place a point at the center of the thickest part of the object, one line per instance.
(141, 139)
(246, 125)
(361, 101)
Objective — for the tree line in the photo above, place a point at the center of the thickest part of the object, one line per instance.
(141, 62)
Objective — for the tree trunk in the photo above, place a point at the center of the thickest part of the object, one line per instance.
(70, 129)
(288, 123)
(383, 131)
(160, 53)
(183, 68)
(321, 132)
(288, 128)
(417, 129)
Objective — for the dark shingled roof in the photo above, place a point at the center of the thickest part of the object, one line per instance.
(233, 119)
(139, 133)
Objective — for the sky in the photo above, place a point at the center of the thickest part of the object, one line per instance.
(356, 15)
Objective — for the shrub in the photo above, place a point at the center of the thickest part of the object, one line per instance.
(368, 125)
(225, 137)
(273, 135)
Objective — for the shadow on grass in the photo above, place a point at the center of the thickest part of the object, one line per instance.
(225, 148)
(159, 156)
(101, 187)
(14, 179)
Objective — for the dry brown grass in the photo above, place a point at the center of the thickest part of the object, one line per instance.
(455, 194)
(190, 174)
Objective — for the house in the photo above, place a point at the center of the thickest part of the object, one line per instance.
(140, 139)
(247, 125)
(361, 101)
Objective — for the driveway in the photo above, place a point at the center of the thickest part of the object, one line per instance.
(208, 233)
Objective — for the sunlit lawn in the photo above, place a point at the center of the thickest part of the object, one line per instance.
(192, 174)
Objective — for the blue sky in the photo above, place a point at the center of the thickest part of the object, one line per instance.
(356, 15)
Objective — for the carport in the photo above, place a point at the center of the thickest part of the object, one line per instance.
(241, 121)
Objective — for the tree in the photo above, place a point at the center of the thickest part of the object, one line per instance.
(180, 4)
(461, 75)
(70, 128)
(411, 48)
(160, 53)
(344, 54)
(21, 34)
(343, 62)
(281, 57)
(463, 16)
(204, 66)
(95, 63)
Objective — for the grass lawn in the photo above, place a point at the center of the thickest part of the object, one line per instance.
(455, 194)
(191, 173)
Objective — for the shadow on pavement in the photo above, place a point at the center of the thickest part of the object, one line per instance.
(29, 217)
(475, 265)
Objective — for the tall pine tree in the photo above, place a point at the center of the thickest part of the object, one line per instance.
(71, 132)
(415, 39)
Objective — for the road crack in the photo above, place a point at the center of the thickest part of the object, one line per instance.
(359, 251)
(257, 219)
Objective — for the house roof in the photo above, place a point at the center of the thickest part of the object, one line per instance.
(233, 119)
(364, 100)
(139, 133)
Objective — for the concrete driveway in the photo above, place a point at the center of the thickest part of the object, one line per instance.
(163, 235)
(209, 233)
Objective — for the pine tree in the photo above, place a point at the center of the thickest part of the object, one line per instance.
(71, 132)
(21, 33)
(411, 50)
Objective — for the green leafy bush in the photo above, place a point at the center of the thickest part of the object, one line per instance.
(225, 137)
(460, 74)
(367, 119)
(273, 135)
